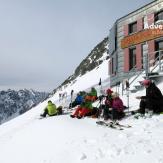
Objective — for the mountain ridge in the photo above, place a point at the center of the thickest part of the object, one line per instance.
(14, 103)
(93, 60)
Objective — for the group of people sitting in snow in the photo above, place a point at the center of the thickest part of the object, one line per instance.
(113, 107)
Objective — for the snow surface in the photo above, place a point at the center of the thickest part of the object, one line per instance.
(61, 139)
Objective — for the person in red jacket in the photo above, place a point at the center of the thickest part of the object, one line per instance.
(84, 109)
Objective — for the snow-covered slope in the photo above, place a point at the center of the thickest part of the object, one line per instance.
(61, 139)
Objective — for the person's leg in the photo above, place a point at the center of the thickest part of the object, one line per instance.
(83, 112)
(115, 114)
(76, 113)
(45, 113)
(155, 106)
(106, 113)
(121, 115)
(59, 110)
(95, 112)
(53, 115)
(142, 106)
(73, 104)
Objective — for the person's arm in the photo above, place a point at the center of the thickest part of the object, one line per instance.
(140, 97)
(45, 108)
(157, 94)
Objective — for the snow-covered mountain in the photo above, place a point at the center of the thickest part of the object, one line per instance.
(95, 58)
(14, 103)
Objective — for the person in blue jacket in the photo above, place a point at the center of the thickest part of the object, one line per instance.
(78, 100)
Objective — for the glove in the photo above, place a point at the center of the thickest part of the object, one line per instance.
(110, 109)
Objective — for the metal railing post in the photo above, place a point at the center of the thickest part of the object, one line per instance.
(146, 65)
(159, 61)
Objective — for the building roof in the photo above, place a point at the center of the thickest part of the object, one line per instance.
(137, 9)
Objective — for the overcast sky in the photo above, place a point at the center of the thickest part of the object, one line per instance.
(43, 41)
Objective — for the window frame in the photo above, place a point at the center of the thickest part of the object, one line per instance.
(157, 48)
(157, 15)
(132, 57)
(131, 27)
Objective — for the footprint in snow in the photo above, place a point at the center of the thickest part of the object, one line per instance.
(100, 153)
(85, 141)
(118, 152)
(83, 156)
(105, 135)
(160, 160)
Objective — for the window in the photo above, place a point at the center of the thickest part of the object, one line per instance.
(159, 16)
(158, 47)
(114, 61)
(132, 58)
(133, 28)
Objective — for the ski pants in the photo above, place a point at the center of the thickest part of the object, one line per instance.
(46, 113)
(154, 105)
(80, 111)
(113, 114)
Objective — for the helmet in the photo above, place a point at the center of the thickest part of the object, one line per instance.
(146, 82)
(49, 101)
(109, 91)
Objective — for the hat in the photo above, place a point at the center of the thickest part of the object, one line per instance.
(146, 82)
(115, 94)
(109, 91)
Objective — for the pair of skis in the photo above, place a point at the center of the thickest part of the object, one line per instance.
(113, 125)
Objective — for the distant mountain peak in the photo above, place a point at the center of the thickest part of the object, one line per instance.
(14, 103)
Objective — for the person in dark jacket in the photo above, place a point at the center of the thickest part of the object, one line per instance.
(108, 104)
(153, 99)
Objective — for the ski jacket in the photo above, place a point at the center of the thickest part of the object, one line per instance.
(153, 93)
(93, 92)
(153, 98)
(117, 104)
(108, 101)
(52, 110)
(87, 104)
(79, 99)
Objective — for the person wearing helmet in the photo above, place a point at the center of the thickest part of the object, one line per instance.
(50, 110)
(153, 99)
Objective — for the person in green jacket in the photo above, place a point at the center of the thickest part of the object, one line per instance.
(83, 110)
(92, 94)
(50, 110)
